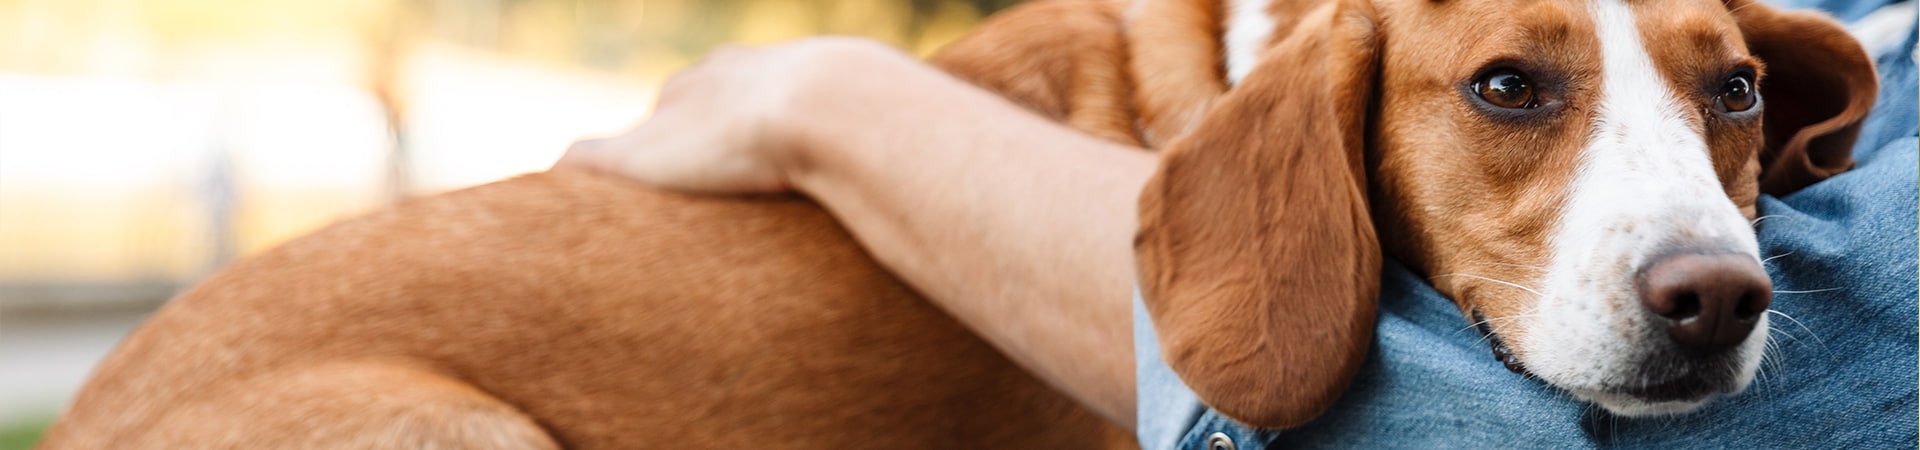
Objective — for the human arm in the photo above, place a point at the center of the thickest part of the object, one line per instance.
(1019, 227)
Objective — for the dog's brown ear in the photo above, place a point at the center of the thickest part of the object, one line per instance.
(1819, 86)
(1257, 258)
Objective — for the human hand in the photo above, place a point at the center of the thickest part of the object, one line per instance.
(733, 123)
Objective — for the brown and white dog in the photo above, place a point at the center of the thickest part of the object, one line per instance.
(1579, 175)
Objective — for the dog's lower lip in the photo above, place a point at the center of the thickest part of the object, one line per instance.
(1505, 355)
(1687, 388)
(1501, 352)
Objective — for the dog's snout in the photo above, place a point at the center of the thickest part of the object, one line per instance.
(1711, 301)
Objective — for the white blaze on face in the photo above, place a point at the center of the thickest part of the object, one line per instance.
(1248, 29)
(1645, 185)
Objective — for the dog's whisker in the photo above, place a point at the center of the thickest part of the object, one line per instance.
(1489, 336)
(1769, 362)
(1523, 266)
(1536, 294)
(1774, 257)
(1491, 320)
(1756, 220)
(1483, 339)
(1803, 326)
(1769, 348)
(1515, 316)
(1530, 312)
(1806, 291)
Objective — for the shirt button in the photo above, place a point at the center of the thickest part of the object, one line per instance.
(1219, 441)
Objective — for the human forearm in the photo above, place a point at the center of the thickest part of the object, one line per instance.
(1018, 226)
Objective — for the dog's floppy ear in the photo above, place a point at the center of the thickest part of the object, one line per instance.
(1257, 257)
(1819, 86)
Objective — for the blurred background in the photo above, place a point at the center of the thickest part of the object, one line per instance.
(144, 143)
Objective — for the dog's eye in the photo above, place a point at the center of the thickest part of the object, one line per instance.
(1737, 94)
(1506, 88)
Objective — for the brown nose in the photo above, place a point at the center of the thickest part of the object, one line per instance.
(1712, 300)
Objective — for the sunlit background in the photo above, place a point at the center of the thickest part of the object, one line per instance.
(144, 143)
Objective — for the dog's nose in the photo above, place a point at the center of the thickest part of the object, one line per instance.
(1712, 300)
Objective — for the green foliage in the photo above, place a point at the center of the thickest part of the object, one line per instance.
(22, 435)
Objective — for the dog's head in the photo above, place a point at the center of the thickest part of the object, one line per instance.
(1579, 176)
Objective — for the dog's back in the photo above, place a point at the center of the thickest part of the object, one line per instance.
(568, 309)
(597, 312)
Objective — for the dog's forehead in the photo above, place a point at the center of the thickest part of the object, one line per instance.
(1606, 61)
(1447, 40)
(1514, 5)
(1467, 17)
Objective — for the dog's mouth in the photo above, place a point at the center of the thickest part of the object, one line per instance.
(1674, 377)
(1501, 352)
(1660, 390)
(1674, 396)
(1684, 389)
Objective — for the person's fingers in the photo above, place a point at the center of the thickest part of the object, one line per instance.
(720, 125)
(588, 154)
(611, 154)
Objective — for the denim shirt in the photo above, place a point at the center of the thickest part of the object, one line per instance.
(1841, 373)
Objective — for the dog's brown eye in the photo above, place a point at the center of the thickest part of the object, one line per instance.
(1506, 88)
(1737, 95)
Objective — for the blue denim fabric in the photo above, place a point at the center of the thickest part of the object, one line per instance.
(1842, 375)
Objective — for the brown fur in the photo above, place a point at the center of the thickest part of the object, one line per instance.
(1458, 190)
(1456, 208)
(563, 309)
(1082, 78)
(1256, 258)
(567, 305)
(1176, 64)
(1262, 337)
(1820, 86)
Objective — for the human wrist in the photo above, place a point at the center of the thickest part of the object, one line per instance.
(829, 106)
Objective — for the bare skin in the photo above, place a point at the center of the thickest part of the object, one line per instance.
(1018, 226)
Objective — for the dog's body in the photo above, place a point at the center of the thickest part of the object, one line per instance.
(564, 309)
(569, 309)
